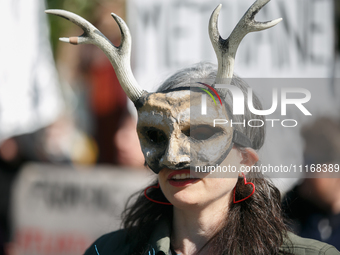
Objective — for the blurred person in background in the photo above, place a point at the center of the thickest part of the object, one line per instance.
(104, 103)
(314, 204)
(34, 122)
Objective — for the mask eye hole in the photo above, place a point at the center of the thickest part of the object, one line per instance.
(203, 132)
(156, 136)
(186, 131)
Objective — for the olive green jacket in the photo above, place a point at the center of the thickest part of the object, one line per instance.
(159, 243)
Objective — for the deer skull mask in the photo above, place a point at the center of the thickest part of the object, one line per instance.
(169, 139)
(171, 135)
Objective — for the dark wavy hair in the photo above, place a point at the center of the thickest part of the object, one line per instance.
(253, 227)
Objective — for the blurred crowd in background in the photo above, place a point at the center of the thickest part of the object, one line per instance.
(91, 123)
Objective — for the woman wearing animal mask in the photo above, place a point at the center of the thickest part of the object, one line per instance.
(190, 210)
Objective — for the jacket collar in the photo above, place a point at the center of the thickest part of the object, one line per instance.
(159, 241)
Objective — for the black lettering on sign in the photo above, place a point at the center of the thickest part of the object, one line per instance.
(150, 15)
(71, 196)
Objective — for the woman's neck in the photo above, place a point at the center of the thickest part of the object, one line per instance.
(194, 226)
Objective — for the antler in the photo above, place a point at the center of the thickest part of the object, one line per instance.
(118, 56)
(226, 49)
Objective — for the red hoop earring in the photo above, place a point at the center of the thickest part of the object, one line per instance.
(152, 200)
(245, 183)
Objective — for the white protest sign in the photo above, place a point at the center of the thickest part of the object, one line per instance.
(61, 211)
(30, 97)
(168, 35)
